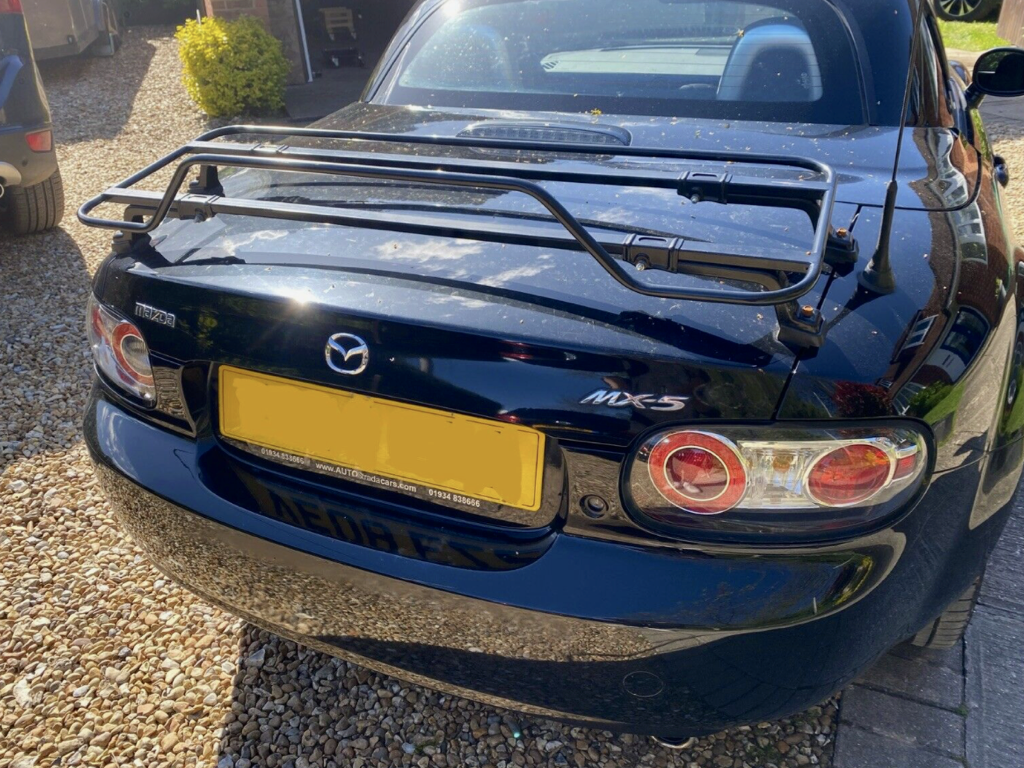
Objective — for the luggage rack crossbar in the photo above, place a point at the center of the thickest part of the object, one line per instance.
(782, 278)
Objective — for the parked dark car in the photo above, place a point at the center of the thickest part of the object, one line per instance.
(967, 10)
(31, 191)
(624, 363)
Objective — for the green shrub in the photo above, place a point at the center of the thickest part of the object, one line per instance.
(232, 67)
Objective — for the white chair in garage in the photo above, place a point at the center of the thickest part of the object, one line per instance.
(337, 19)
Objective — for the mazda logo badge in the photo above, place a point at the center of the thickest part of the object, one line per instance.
(347, 354)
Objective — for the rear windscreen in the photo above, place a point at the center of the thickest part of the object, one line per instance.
(791, 61)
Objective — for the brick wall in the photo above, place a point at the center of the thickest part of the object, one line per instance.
(278, 16)
(285, 27)
(232, 9)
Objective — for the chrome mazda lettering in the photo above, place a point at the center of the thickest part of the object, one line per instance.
(155, 315)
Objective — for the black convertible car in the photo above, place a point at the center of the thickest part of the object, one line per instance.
(652, 365)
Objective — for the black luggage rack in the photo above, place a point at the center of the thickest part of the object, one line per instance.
(782, 279)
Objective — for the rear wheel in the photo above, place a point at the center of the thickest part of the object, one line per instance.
(24, 210)
(947, 630)
(966, 10)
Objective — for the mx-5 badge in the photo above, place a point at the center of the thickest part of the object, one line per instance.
(641, 402)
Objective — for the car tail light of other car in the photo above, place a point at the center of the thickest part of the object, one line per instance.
(120, 351)
(39, 141)
(10, 6)
(801, 482)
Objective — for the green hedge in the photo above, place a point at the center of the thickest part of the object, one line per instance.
(232, 67)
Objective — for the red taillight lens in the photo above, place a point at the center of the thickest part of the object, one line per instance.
(10, 6)
(698, 472)
(131, 352)
(39, 141)
(906, 466)
(120, 351)
(849, 475)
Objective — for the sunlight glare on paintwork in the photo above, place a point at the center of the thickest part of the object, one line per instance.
(231, 244)
(518, 273)
(299, 296)
(423, 251)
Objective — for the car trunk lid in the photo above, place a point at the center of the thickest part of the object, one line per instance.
(517, 333)
(509, 335)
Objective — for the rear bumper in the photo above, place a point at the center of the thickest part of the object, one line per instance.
(31, 167)
(666, 641)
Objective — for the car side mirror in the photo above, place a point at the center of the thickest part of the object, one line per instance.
(998, 72)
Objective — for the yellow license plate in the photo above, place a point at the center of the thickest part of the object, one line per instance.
(446, 452)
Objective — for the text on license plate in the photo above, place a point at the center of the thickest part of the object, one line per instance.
(449, 452)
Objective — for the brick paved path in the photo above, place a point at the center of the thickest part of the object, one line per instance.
(932, 709)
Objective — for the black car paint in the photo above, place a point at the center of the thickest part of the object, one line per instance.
(567, 613)
(23, 105)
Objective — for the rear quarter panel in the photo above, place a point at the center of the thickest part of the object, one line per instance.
(946, 348)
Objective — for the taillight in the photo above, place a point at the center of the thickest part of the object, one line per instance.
(907, 463)
(848, 475)
(39, 141)
(798, 482)
(10, 6)
(698, 472)
(120, 351)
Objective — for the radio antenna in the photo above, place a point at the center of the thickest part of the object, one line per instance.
(878, 276)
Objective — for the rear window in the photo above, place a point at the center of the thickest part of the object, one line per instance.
(790, 61)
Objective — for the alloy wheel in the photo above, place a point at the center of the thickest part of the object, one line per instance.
(967, 10)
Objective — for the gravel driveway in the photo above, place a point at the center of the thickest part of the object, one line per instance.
(102, 661)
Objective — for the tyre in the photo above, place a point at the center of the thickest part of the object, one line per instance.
(947, 630)
(24, 210)
(966, 10)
